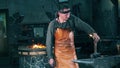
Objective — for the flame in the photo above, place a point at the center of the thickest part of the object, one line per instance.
(38, 46)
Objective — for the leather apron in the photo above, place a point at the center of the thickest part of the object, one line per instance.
(64, 49)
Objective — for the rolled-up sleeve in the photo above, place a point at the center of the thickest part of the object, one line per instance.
(49, 40)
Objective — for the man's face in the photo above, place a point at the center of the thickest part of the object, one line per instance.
(64, 14)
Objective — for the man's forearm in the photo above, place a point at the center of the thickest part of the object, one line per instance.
(49, 51)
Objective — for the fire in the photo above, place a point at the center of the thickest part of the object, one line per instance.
(38, 46)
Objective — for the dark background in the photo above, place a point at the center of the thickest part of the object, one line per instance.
(23, 16)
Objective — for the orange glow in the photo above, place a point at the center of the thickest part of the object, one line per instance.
(38, 46)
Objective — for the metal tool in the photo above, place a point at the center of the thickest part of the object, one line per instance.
(95, 54)
(85, 61)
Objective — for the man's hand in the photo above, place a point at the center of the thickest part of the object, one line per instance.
(95, 37)
(51, 62)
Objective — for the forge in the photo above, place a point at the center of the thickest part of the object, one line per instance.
(33, 56)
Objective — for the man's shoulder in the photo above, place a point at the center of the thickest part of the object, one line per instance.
(52, 22)
(74, 17)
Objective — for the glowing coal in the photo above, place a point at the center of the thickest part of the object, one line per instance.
(38, 45)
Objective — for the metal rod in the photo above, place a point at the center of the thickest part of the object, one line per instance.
(95, 47)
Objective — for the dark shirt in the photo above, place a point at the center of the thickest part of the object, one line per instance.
(72, 23)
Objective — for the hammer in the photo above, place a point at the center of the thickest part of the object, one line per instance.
(95, 54)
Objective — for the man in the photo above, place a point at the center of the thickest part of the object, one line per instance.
(60, 34)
